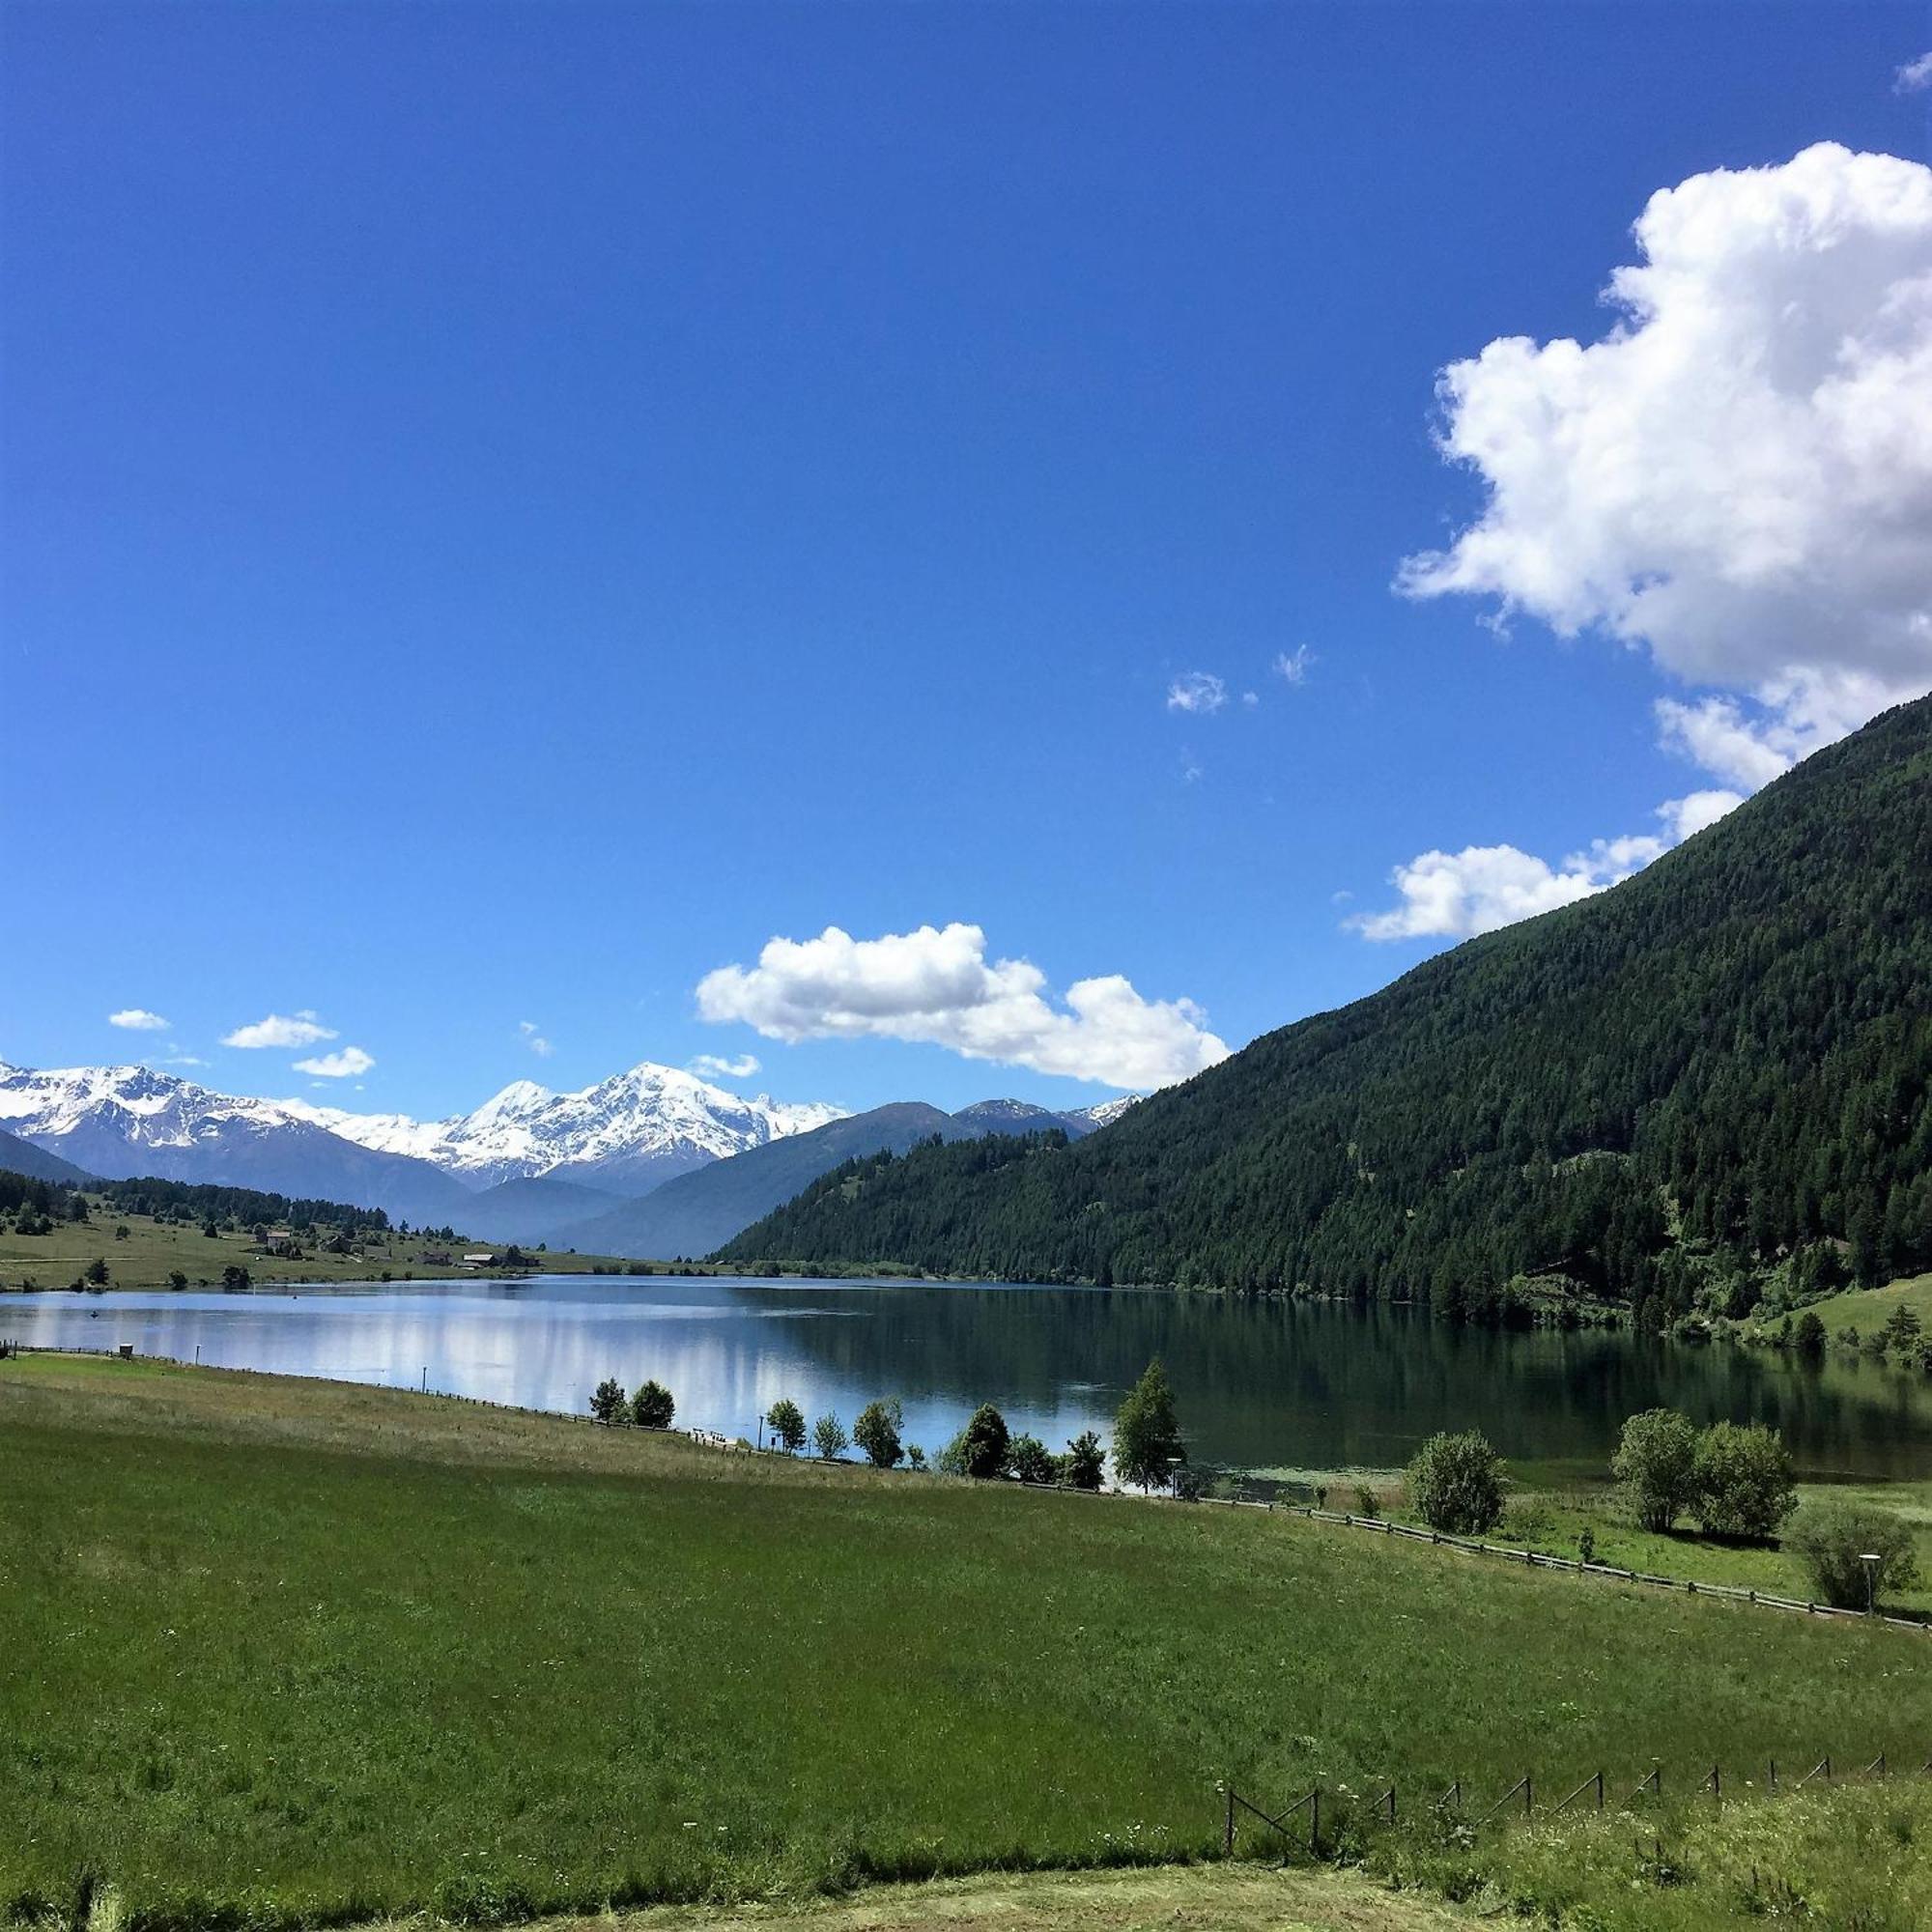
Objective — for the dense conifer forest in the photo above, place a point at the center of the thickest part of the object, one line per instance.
(1710, 1078)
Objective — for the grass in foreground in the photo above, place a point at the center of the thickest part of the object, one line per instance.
(1853, 1858)
(282, 1650)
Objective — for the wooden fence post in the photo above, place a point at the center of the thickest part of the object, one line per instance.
(1227, 1831)
(1314, 1820)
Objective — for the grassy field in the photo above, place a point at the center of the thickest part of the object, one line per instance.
(279, 1650)
(153, 1250)
(1552, 1517)
(1865, 1308)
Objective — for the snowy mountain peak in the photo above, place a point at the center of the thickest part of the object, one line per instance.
(626, 1133)
(152, 1109)
(1103, 1113)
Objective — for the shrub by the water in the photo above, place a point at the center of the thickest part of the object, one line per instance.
(1456, 1484)
(1831, 1538)
(829, 1438)
(1656, 1465)
(607, 1399)
(877, 1432)
(1085, 1462)
(1146, 1431)
(1744, 1480)
(786, 1422)
(1030, 1461)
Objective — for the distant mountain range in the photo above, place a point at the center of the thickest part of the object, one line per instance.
(696, 1213)
(625, 1135)
(528, 1165)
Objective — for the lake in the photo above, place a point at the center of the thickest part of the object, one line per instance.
(1262, 1384)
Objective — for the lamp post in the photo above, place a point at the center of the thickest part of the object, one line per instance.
(1871, 1559)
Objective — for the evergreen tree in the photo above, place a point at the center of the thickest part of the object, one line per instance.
(652, 1406)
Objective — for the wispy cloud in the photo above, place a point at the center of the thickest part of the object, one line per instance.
(1197, 691)
(301, 1028)
(138, 1019)
(1915, 76)
(1292, 666)
(345, 1063)
(715, 1067)
(535, 1040)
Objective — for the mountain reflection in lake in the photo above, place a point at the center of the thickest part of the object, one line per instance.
(1262, 1383)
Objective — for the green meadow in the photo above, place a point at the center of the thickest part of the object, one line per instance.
(282, 1652)
(152, 1251)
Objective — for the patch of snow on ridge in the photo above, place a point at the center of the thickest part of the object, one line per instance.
(1106, 1111)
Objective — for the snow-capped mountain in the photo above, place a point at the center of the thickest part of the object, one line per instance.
(1105, 1113)
(1009, 1117)
(125, 1121)
(626, 1134)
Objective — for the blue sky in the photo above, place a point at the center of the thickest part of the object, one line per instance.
(508, 509)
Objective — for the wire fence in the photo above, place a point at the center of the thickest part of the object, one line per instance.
(1298, 1827)
(1536, 1559)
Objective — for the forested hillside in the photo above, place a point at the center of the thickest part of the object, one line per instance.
(1713, 1074)
(18, 1157)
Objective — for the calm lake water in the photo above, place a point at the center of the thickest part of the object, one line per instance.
(1260, 1384)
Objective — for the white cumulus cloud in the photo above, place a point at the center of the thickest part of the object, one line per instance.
(1198, 690)
(1737, 474)
(1683, 816)
(138, 1019)
(713, 1067)
(343, 1065)
(1453, 894)
(1482, 887)
(937, 985)
(301, 1028)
